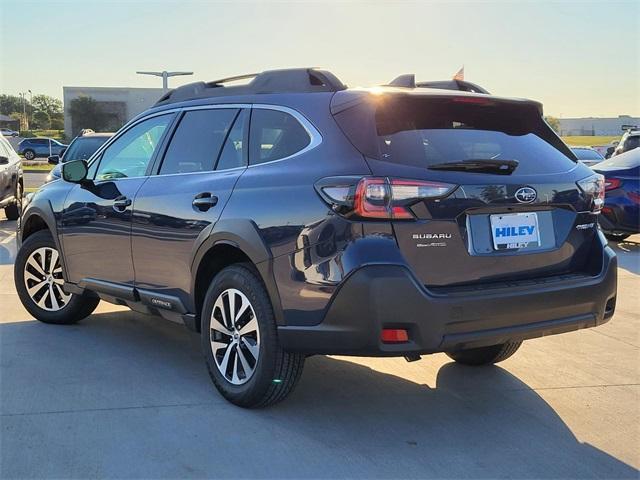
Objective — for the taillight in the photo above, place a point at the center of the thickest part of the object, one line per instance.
(612, 183)
(381, 197)
(593, 187)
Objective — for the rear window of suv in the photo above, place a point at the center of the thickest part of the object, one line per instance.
(421, 132)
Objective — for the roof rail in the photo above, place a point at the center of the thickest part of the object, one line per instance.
(408, 80)
(291, 80)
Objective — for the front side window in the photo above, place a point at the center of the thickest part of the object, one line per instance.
(275, 135)
(130, 154)
(197, 141)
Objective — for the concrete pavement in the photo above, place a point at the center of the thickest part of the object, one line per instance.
(126, 395)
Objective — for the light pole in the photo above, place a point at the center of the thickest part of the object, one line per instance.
(31, 106)
(165, 76)
(23, 95)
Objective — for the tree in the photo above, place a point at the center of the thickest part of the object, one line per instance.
(57, 121)
(47, 104)
(18, 116)
(554, 123)
(12, 103)
(86, 113)
(41, 120)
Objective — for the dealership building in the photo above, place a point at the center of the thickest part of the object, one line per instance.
(596, 125)
(118, 104)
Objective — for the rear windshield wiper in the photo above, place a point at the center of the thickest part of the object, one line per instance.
(479, 165)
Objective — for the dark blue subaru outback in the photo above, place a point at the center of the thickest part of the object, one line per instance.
(292, 216)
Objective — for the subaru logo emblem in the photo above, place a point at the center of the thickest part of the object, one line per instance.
(526, 195)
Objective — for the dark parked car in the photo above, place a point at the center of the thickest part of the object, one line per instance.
(292, 216)
(10, 180)
(621, 212)
(36, 147)
(587, 155)
(80, 148)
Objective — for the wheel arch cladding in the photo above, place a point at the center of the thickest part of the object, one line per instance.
(233, 241)
(34, 223)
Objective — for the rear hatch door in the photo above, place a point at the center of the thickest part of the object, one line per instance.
(517, 211)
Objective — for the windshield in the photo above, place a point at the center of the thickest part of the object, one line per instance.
(83, 147)
(586, 154)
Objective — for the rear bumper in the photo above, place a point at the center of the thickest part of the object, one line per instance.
(388, 296)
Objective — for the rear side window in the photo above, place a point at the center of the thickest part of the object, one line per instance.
(275, 135)
(198, 140)
(421, 132)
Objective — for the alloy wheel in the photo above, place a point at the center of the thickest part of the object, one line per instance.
(43, 279)
(234, 336)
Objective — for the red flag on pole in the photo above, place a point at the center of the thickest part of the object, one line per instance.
(460, 74)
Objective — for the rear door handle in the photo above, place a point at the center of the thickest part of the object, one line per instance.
(121, 203)
(204, 201)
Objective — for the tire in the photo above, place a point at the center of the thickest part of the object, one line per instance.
(241, 379)
(617, 237)
(13, 211)
(29, 154)
(485, 355)
(49, 303)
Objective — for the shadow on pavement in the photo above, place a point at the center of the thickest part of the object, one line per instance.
(628, 255)
(123, 394)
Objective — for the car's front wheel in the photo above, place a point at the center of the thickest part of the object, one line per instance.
(12, 211)
(240, 342)
(29, 155)
(485, 355)
(40, 283)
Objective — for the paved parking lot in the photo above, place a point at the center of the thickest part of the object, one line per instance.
(126, 395)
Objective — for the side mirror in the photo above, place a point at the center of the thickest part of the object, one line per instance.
(75, 171)
(54, 159)
(4, 160)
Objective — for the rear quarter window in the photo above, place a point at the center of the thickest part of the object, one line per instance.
(275, 135)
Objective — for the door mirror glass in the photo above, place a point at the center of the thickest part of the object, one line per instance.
(75, 171)
(54, 159)
(4, 160)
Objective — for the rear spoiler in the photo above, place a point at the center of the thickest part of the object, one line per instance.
(409, 81)
(626, 128)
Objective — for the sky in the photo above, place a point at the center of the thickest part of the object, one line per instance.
(578, 58)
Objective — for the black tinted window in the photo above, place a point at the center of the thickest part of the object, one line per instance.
(82, 148)
(631, 143)
(275, 135)
(39, 141)
(421, 132)
(232, 153)
(197, 141)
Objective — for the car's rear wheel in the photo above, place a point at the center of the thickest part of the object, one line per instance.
(40, 283)
(13, 211)
(485, 355)
(240, 342)
(617, 237)
(29, 154)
